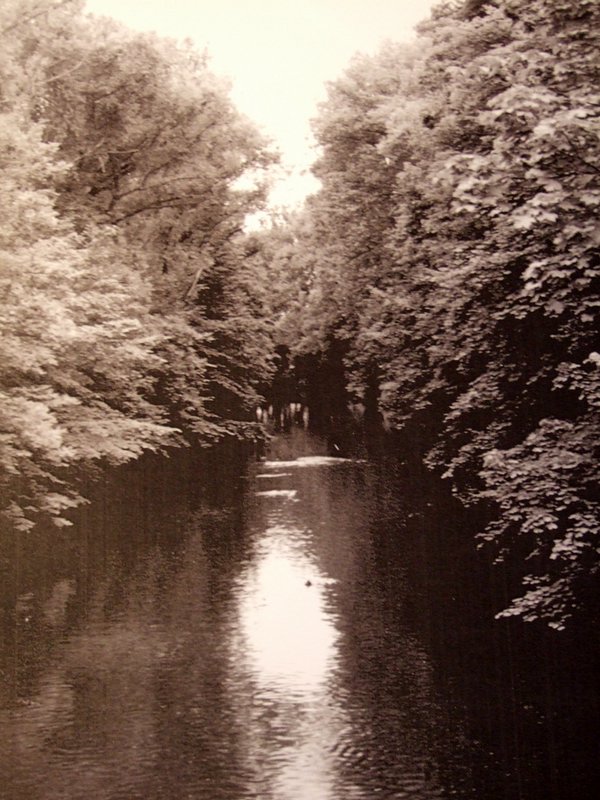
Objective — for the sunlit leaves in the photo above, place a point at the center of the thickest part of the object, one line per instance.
(127, 316)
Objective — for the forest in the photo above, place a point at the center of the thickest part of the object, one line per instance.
(447, 268)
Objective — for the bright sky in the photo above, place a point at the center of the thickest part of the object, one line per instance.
(278, 54)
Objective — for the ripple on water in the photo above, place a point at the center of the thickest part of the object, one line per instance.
(288, 493)
(308, 461)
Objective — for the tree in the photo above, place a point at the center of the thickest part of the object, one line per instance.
(128, 321)
(75, 346)
(454, 250)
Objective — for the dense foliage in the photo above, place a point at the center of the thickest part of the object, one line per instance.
(453, 254)
(450, 260)
(129, 319)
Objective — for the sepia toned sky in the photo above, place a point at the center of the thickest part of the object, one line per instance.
(278, 54)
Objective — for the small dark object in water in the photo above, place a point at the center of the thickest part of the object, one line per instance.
(308, 583)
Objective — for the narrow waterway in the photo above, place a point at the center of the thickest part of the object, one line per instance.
(276, 651)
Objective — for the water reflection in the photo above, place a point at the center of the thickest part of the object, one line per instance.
(197, 664)
(236, 664)
(287, 646)
(324, 717)
(288, 637)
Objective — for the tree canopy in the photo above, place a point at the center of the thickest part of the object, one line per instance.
(129, 319)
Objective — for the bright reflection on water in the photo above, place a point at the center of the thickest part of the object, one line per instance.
(288, 637)
(289, 645)
(286, 632)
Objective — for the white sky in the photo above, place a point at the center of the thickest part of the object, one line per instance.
(278, 54)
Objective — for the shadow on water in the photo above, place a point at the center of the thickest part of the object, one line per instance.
(305, 629)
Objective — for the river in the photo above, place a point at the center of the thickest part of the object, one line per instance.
(292, 642)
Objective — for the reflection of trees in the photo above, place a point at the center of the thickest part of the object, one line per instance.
(130, 705)
(51, 579)
(91, 720)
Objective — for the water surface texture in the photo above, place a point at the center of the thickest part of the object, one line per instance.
(277, 653)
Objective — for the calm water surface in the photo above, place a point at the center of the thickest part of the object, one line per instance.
(275, 651)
